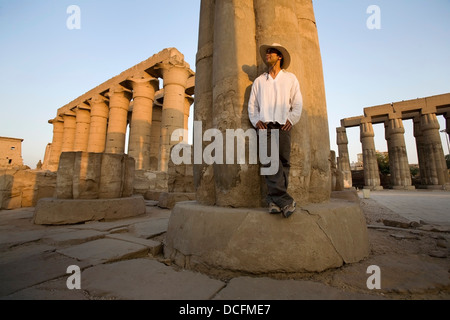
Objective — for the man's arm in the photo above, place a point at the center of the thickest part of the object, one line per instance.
(296, 103)
(253, 107)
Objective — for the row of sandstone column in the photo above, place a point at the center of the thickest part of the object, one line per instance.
(432, 165)
(100, 123)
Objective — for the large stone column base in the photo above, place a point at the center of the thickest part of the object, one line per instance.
(404, 187)
(315, 238)
(372, 188)
(52, 211)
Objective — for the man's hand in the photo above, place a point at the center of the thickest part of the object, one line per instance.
(287, 126)
(261, 125)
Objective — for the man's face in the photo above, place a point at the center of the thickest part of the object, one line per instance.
(272, 56)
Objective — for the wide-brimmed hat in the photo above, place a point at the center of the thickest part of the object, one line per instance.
(279, 47)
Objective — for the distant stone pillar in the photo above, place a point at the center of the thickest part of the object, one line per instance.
(371, 171)
(119, 102)
(436, 167)
(99, 122)
(420, 151)
(83, 121)
(144, 87)
(57, 142)
(398, 158)
(188, 101)
(155, 136)
(70, 126)
(344, 159)
(48, 151)
(175, 74)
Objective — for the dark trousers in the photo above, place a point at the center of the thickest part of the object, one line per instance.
(277, 183)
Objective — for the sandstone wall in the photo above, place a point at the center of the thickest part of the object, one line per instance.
(23, 188)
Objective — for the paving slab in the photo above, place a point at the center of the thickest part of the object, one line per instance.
(411, 274)
(25, 250)
(9, 216)
(49, 290)
(107, 226)
(103, 226)
(416, 205)
(104, 250)
(157, 212)
(68, 237)
(146, 279)
(151, 228)
(14, 238)
(154, 247)
(31, 270)
(251, 288)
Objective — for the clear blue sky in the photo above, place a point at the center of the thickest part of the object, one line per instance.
(45, 65)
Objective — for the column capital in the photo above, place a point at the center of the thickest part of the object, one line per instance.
(429, 121)
(117, 88)
(174, 72)
(394, 126)
(341, 136)
(55, 120)
(82, 106)
(68, 113)
(366, 130)
(83, 113)
(142, 77)
(144, 85)
(98, 98)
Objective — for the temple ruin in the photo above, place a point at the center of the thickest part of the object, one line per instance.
(97, 120)
(89, 140)
(225, 226)
(423, 112)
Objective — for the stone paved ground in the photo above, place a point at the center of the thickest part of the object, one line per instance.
(123, 260)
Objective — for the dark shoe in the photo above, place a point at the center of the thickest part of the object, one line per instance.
(289, 209)
(273, 208)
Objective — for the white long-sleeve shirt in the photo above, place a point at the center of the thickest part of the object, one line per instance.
(275, 100)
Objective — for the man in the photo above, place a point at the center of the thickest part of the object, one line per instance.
(276, 104)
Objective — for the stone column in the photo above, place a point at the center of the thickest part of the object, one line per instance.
(234, 69)
(83, 121)
(70, 125)
(420, 151)
(203, 112)
(175, 74)
(119, 101)
(292, 24)
(155, 137)
(371, 171)
(188, 101)
(344, 159)
(436, 168)
(398, 158)
(144, 87)
(99, 122)
(57, 142)
(48, 151)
